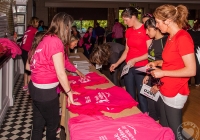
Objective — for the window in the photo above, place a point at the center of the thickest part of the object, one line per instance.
(102, 23)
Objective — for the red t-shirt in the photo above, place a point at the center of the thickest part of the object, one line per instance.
(136, 127)
(180, 45)
(93, 101)
(28, 38)
(42, 66)
(136, 41)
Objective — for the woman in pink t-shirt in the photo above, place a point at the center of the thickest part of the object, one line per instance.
(135, 55)
(26, 46)
(47, 71)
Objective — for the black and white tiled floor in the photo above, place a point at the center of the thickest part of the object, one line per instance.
(17, 124)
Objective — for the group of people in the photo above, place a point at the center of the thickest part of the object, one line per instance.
(159, 43)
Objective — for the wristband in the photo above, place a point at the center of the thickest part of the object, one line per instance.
(68, 91)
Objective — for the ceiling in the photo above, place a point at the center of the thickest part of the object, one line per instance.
(150, 1)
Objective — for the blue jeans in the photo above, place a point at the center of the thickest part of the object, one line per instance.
(133, 83)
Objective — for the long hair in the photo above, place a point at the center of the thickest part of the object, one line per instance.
(101, 54)
(178, 14)
(60, 26)
(36, 40)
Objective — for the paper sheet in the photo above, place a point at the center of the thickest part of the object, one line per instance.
(142, 69)
(198, 54)
(125, 70)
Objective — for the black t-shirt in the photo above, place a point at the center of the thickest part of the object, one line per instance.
(116, 52)
(195, 37)
(156, 48)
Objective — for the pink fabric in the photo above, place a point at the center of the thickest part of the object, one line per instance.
(135, 127)
(87, 45)
(42, 66)
(114, 99)
(90, 80)
(28, 38)
(118, 30)
(15, 50)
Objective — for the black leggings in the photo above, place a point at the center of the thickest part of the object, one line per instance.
(24, 59)
(170, 117)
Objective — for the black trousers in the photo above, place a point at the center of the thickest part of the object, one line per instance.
(45, 113)
(24, 59)
(100, 40)
(119, 40)
(170, 117)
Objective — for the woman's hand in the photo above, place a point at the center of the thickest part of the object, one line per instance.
(80, 74)
(131, 62)
(151, 64)
(146, 79)
(113, 66)
(154, 89)
(71, 99)
(157, 73)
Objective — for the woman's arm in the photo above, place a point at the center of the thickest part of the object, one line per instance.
(58, 60)
(188, 71)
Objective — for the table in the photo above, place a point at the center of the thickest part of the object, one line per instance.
(66, 115)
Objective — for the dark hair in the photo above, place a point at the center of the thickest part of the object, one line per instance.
(148, 15)
(40, 22)
(36, 41)
(60, 26)
(117, 20)
(32, 21)
(129, 12)
(74, 26)
(151, 22)
(89, 28)
(100, 54)
(178, 14)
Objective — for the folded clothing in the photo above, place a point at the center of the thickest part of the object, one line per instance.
(90, 79)
(93, 101)
(135, 127)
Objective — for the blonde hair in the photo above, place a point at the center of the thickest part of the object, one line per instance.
(33, 21)
(178, 14)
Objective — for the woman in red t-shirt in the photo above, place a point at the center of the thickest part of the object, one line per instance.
(26, 46)
(135, 55)
(178, 65)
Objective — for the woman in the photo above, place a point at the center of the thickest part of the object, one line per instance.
(178, 64)
(26, 46)
(145, 17)
(47, 71)
(135, 55)
(109, 53)
(154, 53)
(87, 44)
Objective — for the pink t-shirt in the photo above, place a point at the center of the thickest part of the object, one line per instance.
(135, 127)
(90, 80)
(42, 66)
(93, 101)
(28, 38)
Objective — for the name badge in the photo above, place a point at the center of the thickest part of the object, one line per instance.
(125, 70)
(146, 92)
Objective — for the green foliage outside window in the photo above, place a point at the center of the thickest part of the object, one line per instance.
(102, 23)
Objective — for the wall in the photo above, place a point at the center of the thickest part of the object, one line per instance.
(42, 6)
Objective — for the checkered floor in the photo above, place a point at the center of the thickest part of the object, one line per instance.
(17, 124)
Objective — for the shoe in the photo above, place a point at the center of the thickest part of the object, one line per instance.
(58, 130)
(25, 88)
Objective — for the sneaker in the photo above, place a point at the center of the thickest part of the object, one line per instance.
(25, 88)
(197, 85)
(58, 130)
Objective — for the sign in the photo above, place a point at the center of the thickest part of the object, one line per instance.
(146, 92)
(125, 70)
